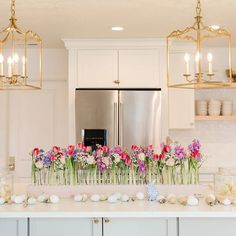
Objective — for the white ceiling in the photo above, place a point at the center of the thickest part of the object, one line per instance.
(56, 19)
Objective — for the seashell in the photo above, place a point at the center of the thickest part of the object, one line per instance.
(171, 198)
(124, 198)
(2, 200)
(183, 200)
(226, 202)
(84, 197)
(161, 199)
(210, 200)
(112, 199)
(140, 196)
(103, 197)
(43, 198)
(118, 195)
(192, 201)
(95, 198)
(31, 201)
(19, 199)
(54, 199)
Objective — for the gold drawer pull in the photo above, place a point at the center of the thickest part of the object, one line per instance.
(96, 220)
(107, 220)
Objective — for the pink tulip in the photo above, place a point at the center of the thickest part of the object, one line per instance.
(35, 151)
(71, 150)
(56, 149)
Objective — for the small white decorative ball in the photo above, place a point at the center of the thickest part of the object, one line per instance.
(140, 196)
(2, 200)
(124, 198)
(31, 201)
(78, 198)
(112, 198)
(192, 201)
(54, 199)
(19, 199)
(95, 198)
(226, 202)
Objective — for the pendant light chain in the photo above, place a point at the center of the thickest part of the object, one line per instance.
(13, 10)
(198, 8)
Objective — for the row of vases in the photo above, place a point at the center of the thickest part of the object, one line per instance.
(168, 175)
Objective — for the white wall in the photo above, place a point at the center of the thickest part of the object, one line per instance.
(35, 118)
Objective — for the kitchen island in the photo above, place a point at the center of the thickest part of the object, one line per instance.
(107, 219)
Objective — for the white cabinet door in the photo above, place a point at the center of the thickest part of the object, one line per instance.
(139, 68)
(181, 101)
(97, 68)
(65, 227)
(181, 108)
(13, 227)
(139, 227)
(207, 226)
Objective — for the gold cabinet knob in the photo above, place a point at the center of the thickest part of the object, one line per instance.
(116, 81)
(96, 220)
(106, 220)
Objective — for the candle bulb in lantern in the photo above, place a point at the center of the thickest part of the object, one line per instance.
(15, 64)
(186, 58)
(209, 58)
(9, 62)
(1, 64)
(23, 66)
(197, 59)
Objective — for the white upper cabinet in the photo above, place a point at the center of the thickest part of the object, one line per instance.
(97, 68)
(181, 101)
(139, 68)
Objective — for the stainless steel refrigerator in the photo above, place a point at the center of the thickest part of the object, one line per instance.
(118, 116)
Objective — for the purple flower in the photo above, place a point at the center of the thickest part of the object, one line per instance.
(141, 166)
(194, 146)
(180, 152)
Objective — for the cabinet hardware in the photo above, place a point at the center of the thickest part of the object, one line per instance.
(96, 220)
(116, 81)
(107, 220)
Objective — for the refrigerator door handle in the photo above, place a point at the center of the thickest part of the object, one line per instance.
(121, 124)
(115, 124)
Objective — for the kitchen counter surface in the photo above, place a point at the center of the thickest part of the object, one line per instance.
(69, 208)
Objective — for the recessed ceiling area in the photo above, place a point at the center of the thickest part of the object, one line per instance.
(57, 19)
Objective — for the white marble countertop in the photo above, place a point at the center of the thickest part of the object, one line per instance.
(69, 208)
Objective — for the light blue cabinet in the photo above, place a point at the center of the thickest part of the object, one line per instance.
(139, 227)
(65, 227)
(13, 227)
(207, 226)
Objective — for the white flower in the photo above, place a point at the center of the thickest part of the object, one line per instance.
(90, 160)
(106, 161)
(117, 158)
(170, 162)
(39, 164)
(63, 160)
(141, 156)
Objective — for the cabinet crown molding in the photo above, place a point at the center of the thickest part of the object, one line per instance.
(138, 43)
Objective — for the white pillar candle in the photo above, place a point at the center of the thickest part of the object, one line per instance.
(197, 59)
(209, 58)
(9, 61)
(1, 64)
(186, 58)
(23, 66)
(15, 64)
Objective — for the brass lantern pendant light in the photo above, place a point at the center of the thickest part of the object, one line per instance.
(190, 56)
(20, 57)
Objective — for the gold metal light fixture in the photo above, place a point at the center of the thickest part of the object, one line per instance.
(194, 68)
(20, 57)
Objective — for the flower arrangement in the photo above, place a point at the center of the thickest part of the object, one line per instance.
(175, 164)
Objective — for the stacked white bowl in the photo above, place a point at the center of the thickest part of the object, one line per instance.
(201, 108)
(214, 107)
(227, 108)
